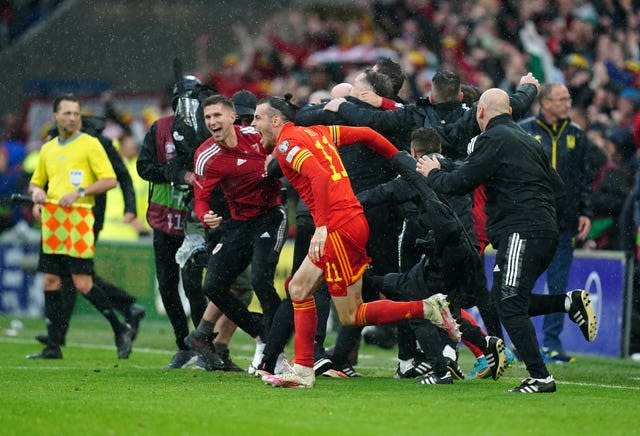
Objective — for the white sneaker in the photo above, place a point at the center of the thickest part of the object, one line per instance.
(296, 376)
(257, 357)
(436, 310)
(280, 364)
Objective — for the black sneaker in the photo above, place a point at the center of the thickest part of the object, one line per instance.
(352, 357)
(229, 365)
(182, 359)
(44, 340)
(536, 386)
(204, 347)
(418, 368)
(384, 336)
(47, 353)
(124, 341)
(432, 379)
(454, 369)
(581, 312)
(495, 356)
(322, 365)
(135, 313)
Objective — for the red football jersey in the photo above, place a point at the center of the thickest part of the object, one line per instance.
(310, 161)
(240, 172)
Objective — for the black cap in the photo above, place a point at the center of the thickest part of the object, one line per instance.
(244, 102)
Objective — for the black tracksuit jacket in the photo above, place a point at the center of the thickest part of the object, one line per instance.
(566, 145)
(522, 189)
(456, 123)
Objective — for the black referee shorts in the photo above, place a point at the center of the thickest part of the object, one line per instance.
(63, 266)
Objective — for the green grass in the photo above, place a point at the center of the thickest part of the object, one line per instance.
(90, 391)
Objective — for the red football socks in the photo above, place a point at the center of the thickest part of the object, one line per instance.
(386, 312)
(305, 319)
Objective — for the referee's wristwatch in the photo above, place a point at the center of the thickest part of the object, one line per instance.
(81, 192)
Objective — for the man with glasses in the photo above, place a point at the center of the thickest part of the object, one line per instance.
(566, 146)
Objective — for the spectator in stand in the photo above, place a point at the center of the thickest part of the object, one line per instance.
(12, 153)
(121, 224)
(610, 189)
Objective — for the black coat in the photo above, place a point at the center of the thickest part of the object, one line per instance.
(455, 122)
(566, 145)
(520, 184)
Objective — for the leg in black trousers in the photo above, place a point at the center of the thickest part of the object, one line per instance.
(168, 275)
(519, 262)
(258, 241)
(192, 283)
(282, 326)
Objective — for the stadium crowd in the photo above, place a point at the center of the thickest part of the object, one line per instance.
(16, 17)
(589, 49)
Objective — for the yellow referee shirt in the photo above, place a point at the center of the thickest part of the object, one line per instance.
(72, 164)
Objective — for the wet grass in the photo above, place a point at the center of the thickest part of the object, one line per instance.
(90, 391)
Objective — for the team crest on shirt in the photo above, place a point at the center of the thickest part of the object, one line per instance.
(283, 147)
(571, 142)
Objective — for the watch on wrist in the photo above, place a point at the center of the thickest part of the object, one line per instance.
(81, 192)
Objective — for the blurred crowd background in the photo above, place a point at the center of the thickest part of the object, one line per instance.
(592, 46)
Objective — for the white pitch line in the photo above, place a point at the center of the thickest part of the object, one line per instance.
(598, 385)
(90, 346)
(250, 348)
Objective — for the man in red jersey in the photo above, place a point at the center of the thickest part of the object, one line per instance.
(309, 160)
(234, 159)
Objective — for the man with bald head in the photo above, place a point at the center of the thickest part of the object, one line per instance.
(522, 189)
(341, 90)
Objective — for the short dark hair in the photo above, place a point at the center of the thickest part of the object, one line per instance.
(281, 106)
(393, 71)
(546, 89)
(446, 86)
(470, 94)
(217, 98)
(426, 140)
(64, 97)
(380, 83)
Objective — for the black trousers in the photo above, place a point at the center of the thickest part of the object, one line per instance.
(257, 242)
(382, 246)
(168, 275)
(519, 263)
(407, 287)
(282, 326)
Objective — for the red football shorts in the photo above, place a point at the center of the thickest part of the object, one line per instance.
(345, 256)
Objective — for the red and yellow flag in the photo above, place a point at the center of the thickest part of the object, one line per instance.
(68, 230)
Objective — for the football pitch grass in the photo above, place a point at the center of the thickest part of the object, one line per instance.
(90, 391)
